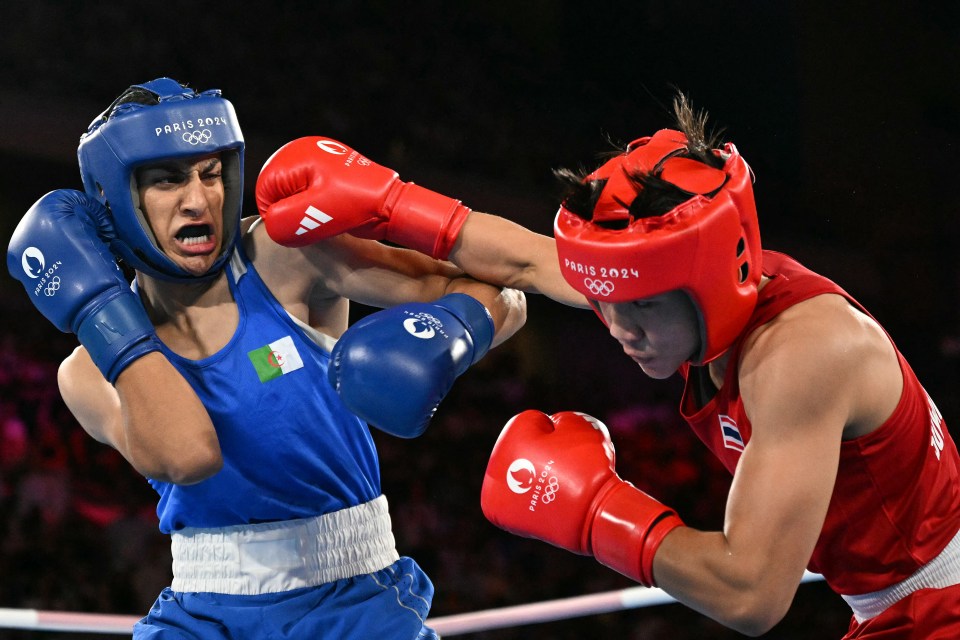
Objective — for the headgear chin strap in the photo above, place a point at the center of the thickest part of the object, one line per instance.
(708, 246)
(128, 135)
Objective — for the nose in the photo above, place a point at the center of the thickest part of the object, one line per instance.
(619, 326)
(193, 199)
(624, 334)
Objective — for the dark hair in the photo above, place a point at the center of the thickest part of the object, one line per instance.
(655, 196)
(135, 95)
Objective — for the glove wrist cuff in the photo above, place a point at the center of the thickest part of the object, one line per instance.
(116, 333)
(424, 220)
(475, 317)
(628, 530)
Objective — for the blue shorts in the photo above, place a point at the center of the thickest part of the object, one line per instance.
(390, 604)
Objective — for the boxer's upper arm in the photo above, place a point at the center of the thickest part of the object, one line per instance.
(91, 399)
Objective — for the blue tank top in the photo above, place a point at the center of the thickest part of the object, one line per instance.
(290, 447)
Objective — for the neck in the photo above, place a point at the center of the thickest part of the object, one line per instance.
(166, 300)
(717, 367)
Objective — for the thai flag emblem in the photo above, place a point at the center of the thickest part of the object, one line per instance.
(731, 433)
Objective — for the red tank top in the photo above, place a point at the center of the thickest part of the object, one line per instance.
(896, 501)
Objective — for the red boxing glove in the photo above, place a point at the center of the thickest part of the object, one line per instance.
(552, 478)
(315, 188)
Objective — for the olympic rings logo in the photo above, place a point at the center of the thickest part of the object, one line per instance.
(53, 286)
(197, 137)
(551, 490)
(599, 287)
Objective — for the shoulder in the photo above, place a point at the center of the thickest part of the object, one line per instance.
(827, 320)
(827, 328)
(270, 258)
(313, 261)
(822, 355)
(68, 367)
(77, 376)
(76, 366)
(298, 275)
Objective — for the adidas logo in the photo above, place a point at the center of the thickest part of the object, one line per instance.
(312, 219)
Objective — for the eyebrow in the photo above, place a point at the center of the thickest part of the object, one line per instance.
(211, 163)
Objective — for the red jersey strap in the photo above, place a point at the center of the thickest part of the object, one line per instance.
(785, 289)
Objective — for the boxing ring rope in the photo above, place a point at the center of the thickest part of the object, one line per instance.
(452, 625)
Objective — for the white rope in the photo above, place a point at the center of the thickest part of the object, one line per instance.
(453, 625)
(562, 609)
(66, 621)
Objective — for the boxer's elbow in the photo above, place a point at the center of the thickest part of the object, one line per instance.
(754, 610)
(755, 621)
(196, 470)
(182, 466)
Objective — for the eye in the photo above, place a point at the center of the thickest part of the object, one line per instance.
(159, 176)
(162, 179)
(171, 178)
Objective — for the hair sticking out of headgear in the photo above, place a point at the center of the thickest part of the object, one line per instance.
(149, 122)
(706, 244)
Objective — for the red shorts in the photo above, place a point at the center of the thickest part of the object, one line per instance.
(928, 614)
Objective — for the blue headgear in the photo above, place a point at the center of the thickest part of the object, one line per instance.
(182, 123)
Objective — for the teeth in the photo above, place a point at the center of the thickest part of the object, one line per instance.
(195, 240)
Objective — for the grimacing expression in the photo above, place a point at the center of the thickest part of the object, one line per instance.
(658, 333)
(183, 203)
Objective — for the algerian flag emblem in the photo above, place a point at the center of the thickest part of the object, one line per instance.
(275, 359)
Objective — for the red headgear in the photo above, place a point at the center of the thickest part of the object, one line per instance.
(708, 246)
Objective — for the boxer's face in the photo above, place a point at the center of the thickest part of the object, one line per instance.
(658, 333)
(183, 202)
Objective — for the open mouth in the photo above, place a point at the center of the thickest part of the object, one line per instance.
(194, 235)
(196, 239)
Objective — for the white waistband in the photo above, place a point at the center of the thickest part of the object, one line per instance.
(280, 556)
(943, 571)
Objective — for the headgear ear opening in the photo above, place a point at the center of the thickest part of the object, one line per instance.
(707, 246)
(181, 123)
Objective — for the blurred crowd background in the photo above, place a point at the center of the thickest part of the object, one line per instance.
(847, 113)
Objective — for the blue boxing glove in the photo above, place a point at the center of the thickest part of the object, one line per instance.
(60, 253)
(393, 367)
